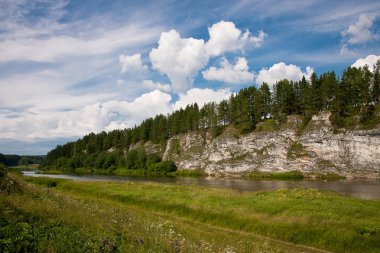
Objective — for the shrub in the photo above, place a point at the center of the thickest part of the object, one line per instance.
(3, 171)
(163, 167)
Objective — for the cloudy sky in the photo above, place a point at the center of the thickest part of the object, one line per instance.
(68, 68)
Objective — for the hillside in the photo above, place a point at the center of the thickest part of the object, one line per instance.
(317, 151)
(321, 125)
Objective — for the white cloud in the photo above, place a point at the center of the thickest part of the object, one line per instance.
(370, 61)
(62, 47)
(120, 82)
(360, 32)
(201, 97)
(258, 40)
(157, 86)
(347, 52)
(94, 117)
(237, 74)
(280, 71)
(99, 116)
(180, 59)
(131, 63)
(225, 37)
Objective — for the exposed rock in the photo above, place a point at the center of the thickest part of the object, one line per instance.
(317, 150)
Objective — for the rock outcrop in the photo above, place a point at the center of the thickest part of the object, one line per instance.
(318, 149)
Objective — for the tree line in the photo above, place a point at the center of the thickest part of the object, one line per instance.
(14, 160)
(352, 99)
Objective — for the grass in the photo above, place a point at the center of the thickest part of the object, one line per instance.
(301, 216)
(20, 168)
(288, 175)
(268, 125)
(296, 150)
(176, 146)
(188, 173)
(41, 218)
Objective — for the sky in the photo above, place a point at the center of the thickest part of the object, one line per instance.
(69, 68)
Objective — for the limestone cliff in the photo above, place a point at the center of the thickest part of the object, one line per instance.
(316, 150)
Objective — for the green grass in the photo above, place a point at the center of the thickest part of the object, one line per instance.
(20, 168)
(188, 173)
(60, 219)
(288, 175)
(268, 125)
(296, 150)
(218, 218)
(50, 172)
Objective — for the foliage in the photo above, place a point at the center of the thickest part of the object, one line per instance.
(8, 184)
(305, 121)
(3, 171)
(163, 167)
(353, 100)
(301, 216)
(188, 173)
(296, 150)
(176, 146)
(14, 160)
(43, 220)
(267, 125)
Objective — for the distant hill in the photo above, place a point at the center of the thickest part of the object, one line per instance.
(13, 160)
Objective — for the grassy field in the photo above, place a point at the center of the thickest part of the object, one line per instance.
(73, 216)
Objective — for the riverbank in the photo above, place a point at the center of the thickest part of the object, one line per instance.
(351, 187)
(201, 218)
(287, 175)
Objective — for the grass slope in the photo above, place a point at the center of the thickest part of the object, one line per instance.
(149, 217)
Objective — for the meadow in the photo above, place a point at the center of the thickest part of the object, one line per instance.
(67, 216)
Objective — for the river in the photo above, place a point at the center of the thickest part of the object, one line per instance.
(360, 188)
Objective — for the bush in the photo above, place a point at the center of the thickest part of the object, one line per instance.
(3, 171)
(188, 173)
(163, 167)
(216, 131)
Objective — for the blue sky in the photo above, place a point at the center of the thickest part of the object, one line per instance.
(68, 68)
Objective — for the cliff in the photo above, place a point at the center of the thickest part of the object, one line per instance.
(317, 149)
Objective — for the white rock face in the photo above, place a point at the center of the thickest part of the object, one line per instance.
(317, 150)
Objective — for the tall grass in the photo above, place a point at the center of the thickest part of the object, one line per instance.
(302, 216)
(55, 219)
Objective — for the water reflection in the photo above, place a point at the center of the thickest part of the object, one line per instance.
(363, 188)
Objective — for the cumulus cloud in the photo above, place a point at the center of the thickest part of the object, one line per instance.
(280, 71)
(258, 40)
(237, 74)
(370, 61)
(201, 97)
(40, 124)
(93, 117)
(131, 63)
(360, 32)
(225, 37)
(157, 86)
(179, 58)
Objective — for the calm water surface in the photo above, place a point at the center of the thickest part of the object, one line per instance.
(360, 188)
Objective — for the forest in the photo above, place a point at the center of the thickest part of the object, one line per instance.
(14, 160)
(353, 100)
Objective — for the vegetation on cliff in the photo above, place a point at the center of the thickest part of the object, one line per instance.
(352, 99)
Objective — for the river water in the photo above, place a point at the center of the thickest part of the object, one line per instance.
(360, 188)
